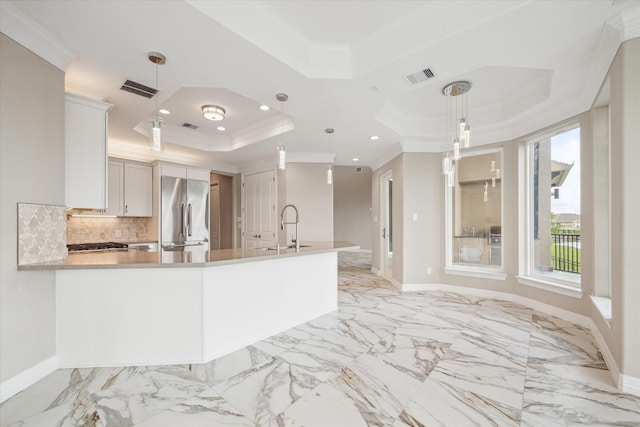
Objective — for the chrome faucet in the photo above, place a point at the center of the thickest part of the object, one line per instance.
(282, 223)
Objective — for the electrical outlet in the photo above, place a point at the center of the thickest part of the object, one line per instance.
(118, 233)
(428, 271)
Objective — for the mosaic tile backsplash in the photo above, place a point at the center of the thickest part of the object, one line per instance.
(42, 233)
(85, 229)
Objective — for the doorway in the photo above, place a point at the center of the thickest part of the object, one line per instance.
(221, 212)
(386, 224)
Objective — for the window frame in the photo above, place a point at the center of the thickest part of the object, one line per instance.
(480, 271)
(527, 273)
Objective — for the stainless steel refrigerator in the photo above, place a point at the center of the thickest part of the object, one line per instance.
(185, 214)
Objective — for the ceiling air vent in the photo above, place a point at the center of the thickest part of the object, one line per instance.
(358, 169)
(420, 76)
(139, 89)
(189, 125)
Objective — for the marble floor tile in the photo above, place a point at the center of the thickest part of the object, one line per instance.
(576, 395)
(207, 409)
(555, 340)
(142, 396)
(264, 392)
(384, 358)
(229, 365)
(439, 403)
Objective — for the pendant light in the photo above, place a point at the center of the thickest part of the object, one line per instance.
(329, 131)
(156, 132)
(282, 149)
(456, 125)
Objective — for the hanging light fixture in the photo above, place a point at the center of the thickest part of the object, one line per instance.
(456, 126)
(156, 131)
(282, 149)
(329, 131)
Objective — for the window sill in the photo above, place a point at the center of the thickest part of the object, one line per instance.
(469, 272)
(604, 308)
(551, 286)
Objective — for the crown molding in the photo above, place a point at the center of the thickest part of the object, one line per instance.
(24, 30)
(143, 153)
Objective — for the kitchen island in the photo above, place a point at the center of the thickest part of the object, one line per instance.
(144, 308)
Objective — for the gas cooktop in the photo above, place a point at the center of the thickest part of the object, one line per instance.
(103, 246)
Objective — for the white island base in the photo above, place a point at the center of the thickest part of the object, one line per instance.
(151, 316)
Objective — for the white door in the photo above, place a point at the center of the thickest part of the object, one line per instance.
(214, 227)
(260, 210)
(386, 224)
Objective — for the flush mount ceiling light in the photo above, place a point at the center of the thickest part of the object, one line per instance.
(213, 112)
(164, 111)
(264, 107)
(157, 146)
(374, 137)
(456, 126)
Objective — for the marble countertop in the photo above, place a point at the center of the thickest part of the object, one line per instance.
(141, 259)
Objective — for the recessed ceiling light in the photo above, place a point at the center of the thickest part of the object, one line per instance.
(221, 128)
(355, 159)
(264, 108)
(374, 137)
(163, 111)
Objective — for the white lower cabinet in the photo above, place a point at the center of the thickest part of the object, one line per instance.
(130, 189)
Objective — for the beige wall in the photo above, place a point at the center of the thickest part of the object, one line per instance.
(308, 190)
(422, 242)
(352, 216)
(624, 107)
(415, 244)
(31, 170)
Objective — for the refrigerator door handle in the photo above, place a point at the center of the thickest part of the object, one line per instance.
(189, 219)
(182, 219)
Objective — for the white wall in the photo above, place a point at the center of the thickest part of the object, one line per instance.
(32, 170)
(352, 216)
(308, 190)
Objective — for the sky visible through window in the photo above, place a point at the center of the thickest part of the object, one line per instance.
(565, 148)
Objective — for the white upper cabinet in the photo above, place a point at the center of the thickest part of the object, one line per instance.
(115, 185)
(85, 152)
(137, 190)
(130, 189)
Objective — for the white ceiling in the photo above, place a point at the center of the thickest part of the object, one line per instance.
(342, 63)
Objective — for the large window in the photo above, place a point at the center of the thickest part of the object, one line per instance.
(552, 187)
(474, 214)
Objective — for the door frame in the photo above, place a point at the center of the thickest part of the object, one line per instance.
(385, 202)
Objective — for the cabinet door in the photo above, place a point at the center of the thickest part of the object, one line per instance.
(85, 152)
(137, 190)
(115, 186)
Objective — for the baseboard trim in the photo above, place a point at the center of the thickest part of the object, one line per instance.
(624, 383)
(629, 384)
(28, 377)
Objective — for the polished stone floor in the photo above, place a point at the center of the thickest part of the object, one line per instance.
(383, 359)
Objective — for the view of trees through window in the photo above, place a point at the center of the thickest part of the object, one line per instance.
(555, 206)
